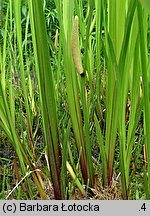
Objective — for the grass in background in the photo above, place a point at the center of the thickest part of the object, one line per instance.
(74, 99)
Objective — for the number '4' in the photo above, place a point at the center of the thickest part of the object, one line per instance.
(143, 207)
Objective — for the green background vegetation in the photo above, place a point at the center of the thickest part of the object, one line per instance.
(70, 134)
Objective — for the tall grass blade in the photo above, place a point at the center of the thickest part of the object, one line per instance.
(47, 94)
(145, 85)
